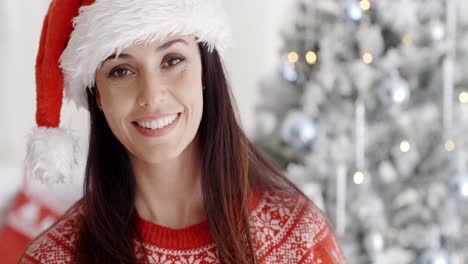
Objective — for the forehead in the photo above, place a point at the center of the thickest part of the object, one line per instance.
(163, 43)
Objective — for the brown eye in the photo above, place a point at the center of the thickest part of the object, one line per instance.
(173, 61)
(120, 72)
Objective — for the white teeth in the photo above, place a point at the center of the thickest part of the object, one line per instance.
(158, 123)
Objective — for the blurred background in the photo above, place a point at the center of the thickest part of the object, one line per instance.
(362, 103)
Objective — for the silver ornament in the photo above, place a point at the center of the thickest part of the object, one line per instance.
(350, 10)
(266, 124)
(314, 96)
(458, 186)
(298, 130)
(289, 72)
(374, 243)
(433, 256)
(437, 30)
(368, 207)
(394, 91)
(387, 172)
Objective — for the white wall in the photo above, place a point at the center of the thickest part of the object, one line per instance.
(255, 52)
(17, 96)
(255, 27)
(3, 73)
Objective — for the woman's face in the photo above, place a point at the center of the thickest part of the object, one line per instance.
(151, 96)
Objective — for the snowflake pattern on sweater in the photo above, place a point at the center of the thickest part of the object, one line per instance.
(284, 229)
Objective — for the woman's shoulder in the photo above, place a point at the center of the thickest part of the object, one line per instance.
(58, 243)
(282, 206)
(290, 228)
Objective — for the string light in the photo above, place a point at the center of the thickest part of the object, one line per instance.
(463, 97)
(449, 145)
(406, 39)
(367, 58)
(293, 57)
(405, 146)
(311, 57)
(358, 177)
(365, 5)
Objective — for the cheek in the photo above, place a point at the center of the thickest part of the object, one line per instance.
(114, 96)
(191, 93)
(116, 106)
(117, 100)
(115, 117)
(195, 110)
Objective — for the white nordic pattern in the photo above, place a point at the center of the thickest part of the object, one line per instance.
(285, 229)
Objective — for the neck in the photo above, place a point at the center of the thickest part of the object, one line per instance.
(170, 193)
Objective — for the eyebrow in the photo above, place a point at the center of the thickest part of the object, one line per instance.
(159, 49)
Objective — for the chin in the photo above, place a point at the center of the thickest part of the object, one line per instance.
(154, 158)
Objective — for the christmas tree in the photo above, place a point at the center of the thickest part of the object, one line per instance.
(368, 114)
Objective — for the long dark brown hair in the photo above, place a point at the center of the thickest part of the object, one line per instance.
(232, 168)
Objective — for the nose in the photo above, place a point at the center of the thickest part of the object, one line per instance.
(151, 91)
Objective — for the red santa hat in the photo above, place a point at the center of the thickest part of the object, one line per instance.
(77, 35)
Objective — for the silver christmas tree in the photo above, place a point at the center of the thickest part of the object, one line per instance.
(368, 114)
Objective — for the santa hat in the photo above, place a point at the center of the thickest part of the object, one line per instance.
(77, 35)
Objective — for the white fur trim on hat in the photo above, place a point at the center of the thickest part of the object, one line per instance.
(109, 26)
(50, 155)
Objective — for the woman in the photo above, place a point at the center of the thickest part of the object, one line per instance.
(170, 176)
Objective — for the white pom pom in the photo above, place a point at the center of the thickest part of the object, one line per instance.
(50, 156)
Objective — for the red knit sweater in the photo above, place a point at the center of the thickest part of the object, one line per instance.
(284, 228)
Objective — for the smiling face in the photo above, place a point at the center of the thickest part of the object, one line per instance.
(151, 96)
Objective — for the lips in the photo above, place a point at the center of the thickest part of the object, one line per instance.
(157, 123)
(157, 127)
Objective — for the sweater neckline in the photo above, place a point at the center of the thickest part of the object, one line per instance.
(191, 237)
